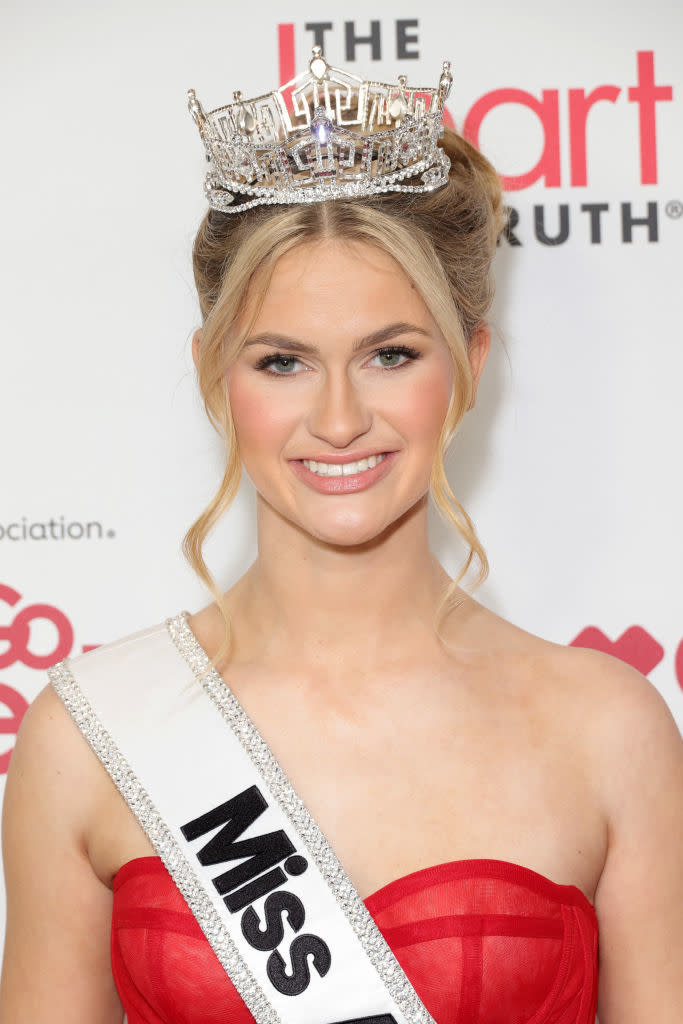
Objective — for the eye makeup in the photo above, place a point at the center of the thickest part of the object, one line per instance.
(410, 354)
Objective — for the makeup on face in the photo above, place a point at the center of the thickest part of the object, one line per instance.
(328, 477)
(340, 390)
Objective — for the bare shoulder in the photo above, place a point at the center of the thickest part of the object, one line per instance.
(47, 736)
(625, 717)
(636, 745)
(52, 765)
(58, 911)
(615, 732)
(635, 751)
(48, 730)
(612, 698)
(615, 718)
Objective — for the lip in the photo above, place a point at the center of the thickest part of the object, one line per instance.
(344, 484)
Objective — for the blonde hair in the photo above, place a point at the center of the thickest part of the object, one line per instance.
(446, 240)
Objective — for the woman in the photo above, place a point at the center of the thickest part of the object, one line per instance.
(497, 802)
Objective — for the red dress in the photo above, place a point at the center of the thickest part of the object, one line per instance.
(481, 941)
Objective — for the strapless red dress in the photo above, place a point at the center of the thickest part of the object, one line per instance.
(482, 942)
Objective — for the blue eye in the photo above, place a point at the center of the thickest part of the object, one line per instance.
(287, 363)
(410, 355)
(278, 357)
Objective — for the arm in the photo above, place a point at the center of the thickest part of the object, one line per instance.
(639, 899)
(56, 966)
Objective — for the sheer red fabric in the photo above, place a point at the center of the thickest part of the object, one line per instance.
(482, 942)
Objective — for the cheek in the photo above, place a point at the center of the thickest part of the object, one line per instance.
(259, 421)
(265, 421)
(423, 408)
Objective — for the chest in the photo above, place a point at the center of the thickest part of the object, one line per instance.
(412, 771)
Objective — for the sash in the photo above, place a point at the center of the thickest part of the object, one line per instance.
(263, 883)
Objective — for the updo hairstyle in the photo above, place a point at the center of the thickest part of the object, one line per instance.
(445, 242)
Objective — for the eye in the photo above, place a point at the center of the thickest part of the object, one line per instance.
(409, 355)
(278, 364)
(284, 361)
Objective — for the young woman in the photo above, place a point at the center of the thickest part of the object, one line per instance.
(506, 811)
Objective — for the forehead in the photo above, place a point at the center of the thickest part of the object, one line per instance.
(350, 285)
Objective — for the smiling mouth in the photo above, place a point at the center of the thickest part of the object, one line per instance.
(343, 468)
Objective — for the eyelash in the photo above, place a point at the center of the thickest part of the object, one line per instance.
(405, 350)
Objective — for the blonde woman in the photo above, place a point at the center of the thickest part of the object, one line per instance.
(447, 819)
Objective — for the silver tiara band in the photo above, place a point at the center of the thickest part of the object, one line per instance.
(326, 134)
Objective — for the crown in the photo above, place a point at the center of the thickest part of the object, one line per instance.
(326, 134)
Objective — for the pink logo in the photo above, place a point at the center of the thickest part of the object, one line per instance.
(646, 93)
(679, 664)
(18, 633)
(17, 705)
(635, 646)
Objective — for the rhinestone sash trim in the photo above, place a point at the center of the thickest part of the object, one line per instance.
(312, 838)
(162, 840)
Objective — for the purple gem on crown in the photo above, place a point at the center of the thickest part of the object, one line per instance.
(321, 125)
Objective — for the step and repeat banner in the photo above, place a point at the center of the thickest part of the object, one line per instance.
(570, 463)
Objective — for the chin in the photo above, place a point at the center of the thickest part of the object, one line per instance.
(349, 543)
(349, 535)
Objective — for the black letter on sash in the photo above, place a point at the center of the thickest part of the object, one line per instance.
(244, 808)
(241, 898)
(263, 852)
(237, 814)
(275, 906)
(303, 945)
(378, 1018)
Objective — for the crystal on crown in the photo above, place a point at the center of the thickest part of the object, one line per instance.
(326, 134)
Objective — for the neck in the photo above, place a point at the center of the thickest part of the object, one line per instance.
(310, 602)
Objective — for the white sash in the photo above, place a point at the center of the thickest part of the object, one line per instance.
(266, 888)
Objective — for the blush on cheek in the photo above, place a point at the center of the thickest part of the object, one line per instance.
(245, 407)
(260, 423)
(425, 406)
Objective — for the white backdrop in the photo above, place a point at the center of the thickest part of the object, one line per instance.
(570, 463)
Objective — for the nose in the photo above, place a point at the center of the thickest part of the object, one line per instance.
(339, 414)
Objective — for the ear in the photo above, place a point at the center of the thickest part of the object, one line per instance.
(478, 349)
(196, 339)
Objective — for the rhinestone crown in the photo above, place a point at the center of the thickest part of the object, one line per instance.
(326, 134)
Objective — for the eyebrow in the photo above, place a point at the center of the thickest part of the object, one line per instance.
(378, 337)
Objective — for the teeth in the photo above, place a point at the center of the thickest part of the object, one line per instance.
(342, 469)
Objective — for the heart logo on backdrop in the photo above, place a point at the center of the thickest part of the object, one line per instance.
(635, 646)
